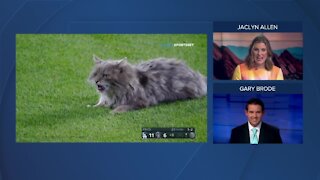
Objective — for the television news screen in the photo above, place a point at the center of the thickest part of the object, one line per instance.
(159, 90)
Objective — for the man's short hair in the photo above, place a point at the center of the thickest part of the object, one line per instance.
(255, 101)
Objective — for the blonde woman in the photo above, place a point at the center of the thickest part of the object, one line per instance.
(258, 64)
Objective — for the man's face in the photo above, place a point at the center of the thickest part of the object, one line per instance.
(254, 114)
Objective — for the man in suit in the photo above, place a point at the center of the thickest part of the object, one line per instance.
(255, 131)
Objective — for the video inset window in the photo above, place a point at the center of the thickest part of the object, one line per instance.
(258, 118)
(258, 55)
(111, 87)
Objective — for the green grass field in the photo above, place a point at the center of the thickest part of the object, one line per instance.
(52, 91)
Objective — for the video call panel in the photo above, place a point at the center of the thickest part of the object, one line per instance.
(264, 103)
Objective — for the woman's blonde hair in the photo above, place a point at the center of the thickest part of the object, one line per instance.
(250, 59)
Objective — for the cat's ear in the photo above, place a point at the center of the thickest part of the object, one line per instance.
(96, 59)
(123, 61)
(122, 64)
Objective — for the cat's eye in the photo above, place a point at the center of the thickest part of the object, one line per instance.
(105, 75)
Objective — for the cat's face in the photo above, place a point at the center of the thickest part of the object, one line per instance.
(111, 75)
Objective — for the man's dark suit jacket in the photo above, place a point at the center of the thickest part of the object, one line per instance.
(268, 134)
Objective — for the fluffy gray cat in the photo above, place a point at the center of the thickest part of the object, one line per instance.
(123, 86)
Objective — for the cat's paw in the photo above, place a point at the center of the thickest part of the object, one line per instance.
(96, 105)
(121, 109)
(93, 106)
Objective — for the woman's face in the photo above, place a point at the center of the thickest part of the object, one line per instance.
(260, 53)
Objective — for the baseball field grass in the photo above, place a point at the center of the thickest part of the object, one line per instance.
(52, 90)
